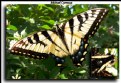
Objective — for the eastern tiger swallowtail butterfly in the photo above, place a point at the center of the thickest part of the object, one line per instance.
(101, 63)
(68, 39)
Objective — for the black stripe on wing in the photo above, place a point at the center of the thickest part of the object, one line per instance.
(30, 40)
(71, 24)
(36, 38)
(29, 53)
(61, 34)
(97, 21)
(80, 19)
(86, 15)
(45, 33)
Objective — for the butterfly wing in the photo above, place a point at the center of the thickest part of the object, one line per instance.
(67, 39)
(101, 64)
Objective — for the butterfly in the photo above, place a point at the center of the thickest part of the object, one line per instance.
(102, 64)
(68, 39)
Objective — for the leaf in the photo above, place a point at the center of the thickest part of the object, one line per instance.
(82, 72)
(51, 22)
(54, 72)
(78, 9)
(31, 20)
(23, 33)
(49, 63)
(45, 27)
(49, 8)
(62, 76)
(11, 27)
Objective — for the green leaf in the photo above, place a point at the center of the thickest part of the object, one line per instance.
(45, 27)
(49, 8)
(82, 72)
(54, 72)
(11, 27)
(51, 22)
(62, 76)
(25, 18)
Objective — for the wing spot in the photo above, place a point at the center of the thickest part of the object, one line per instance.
(32, 55)
(59, 64)
(93, 32)
(28, 54)
(97, 24)
(95, 28)
(81, 59)
(86, 45)
(24, 53)
(12, 50)
(84, 53)
(78, 64)
(37, 56)
(20, 52)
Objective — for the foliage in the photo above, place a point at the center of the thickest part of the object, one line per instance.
(23, 20)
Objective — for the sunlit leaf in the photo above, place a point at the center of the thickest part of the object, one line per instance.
(62, 76)
(11, 27)
(45, 27)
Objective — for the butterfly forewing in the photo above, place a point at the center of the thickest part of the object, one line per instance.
(65, 40)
